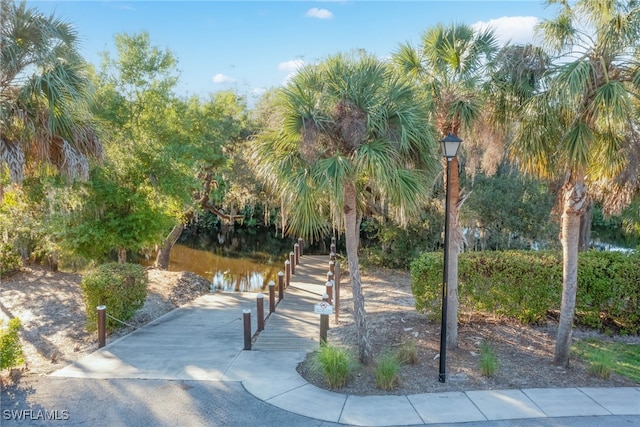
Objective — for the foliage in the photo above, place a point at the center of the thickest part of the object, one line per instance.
(386, 372)
(44, 96)
(488, 360)
(10, 347)
(122, 288)
(618, 357)
(336, 363)
(520, 221)
(388, 244)
(408, 352)
(9, 260)
(525, 285)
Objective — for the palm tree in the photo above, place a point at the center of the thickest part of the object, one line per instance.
(43, 94)
(348, 130)
(583, 131)
(451, 65)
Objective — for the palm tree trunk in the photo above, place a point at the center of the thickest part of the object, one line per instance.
(455, 240)
(574, 204)
(164, 254)
(351, 243)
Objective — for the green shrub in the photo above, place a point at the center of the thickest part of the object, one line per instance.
(9, 260)
(10, 347)
(386, 372)
(525, 285)
(336, 363)
(601, 364)
(120, 287)
(488, 360)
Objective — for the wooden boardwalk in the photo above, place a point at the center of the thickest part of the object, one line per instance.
(294, 326)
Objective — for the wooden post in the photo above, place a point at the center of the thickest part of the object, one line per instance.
(336, 291)
(332, 256)
(280, 286)
(102, 325)
(272, 296)
(300, 243)
(324, 324)
(333, 248)
(287, 268)
(260, 311)
(329, 276)
(292, 262)
(329, 290)
(246, 317)
(332, 266)
(296, 253)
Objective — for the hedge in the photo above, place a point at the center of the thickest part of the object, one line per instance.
(122, 288)
(526, 285)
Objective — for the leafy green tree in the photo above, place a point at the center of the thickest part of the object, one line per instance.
(44, 96)
(347, 130)
(582, 131)
(450, 64)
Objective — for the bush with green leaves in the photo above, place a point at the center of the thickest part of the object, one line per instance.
(525, 285)
(9, 260)
(10, 347)
(122, 288)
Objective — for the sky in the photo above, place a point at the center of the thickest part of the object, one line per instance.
(251, 46)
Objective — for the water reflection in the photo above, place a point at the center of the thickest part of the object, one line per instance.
(227, 274)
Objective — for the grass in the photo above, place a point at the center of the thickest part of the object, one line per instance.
(488, 360)
(336, 363)
(386, 373)
(621, 358)
(408, 352)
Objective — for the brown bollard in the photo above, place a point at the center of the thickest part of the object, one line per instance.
(329, 289)
(260, 311)
(333, 248)
(336, 291)
(287, 269)
(280, 286)
(246, 317)
(102, 325)
(329, 276)
(333, 240)
(332, 266)
(272, 296)
(292, 261)
(324, 324)
(332, 256)
(300, 243)
(296, 253)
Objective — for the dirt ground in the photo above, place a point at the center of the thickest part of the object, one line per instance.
(52, 311)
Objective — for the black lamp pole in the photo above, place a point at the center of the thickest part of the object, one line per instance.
(450, 145)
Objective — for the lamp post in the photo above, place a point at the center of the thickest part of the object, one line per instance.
(450, 145)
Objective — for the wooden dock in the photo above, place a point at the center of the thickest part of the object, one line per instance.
(294, 326)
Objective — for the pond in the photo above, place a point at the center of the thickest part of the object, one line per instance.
(227, 274)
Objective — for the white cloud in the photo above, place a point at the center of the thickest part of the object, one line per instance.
(514, 29)
(319, 13)
(293, 65)
(221, 78)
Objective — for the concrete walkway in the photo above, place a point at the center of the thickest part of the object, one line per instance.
(203, 341)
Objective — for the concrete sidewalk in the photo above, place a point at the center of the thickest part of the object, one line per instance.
(203, 341)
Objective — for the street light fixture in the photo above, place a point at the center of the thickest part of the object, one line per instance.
(450, 145)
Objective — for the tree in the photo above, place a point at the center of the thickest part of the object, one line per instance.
(583, 131)
(347, 129)
(44, 96)
(450, 65)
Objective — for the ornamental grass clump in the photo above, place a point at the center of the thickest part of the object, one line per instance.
(336, 363)
(386, 372)
(601, 364)
(407, 354)
(488, 360)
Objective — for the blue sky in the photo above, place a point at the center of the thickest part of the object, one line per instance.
(250, 46)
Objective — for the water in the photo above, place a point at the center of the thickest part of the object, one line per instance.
(226, 274)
